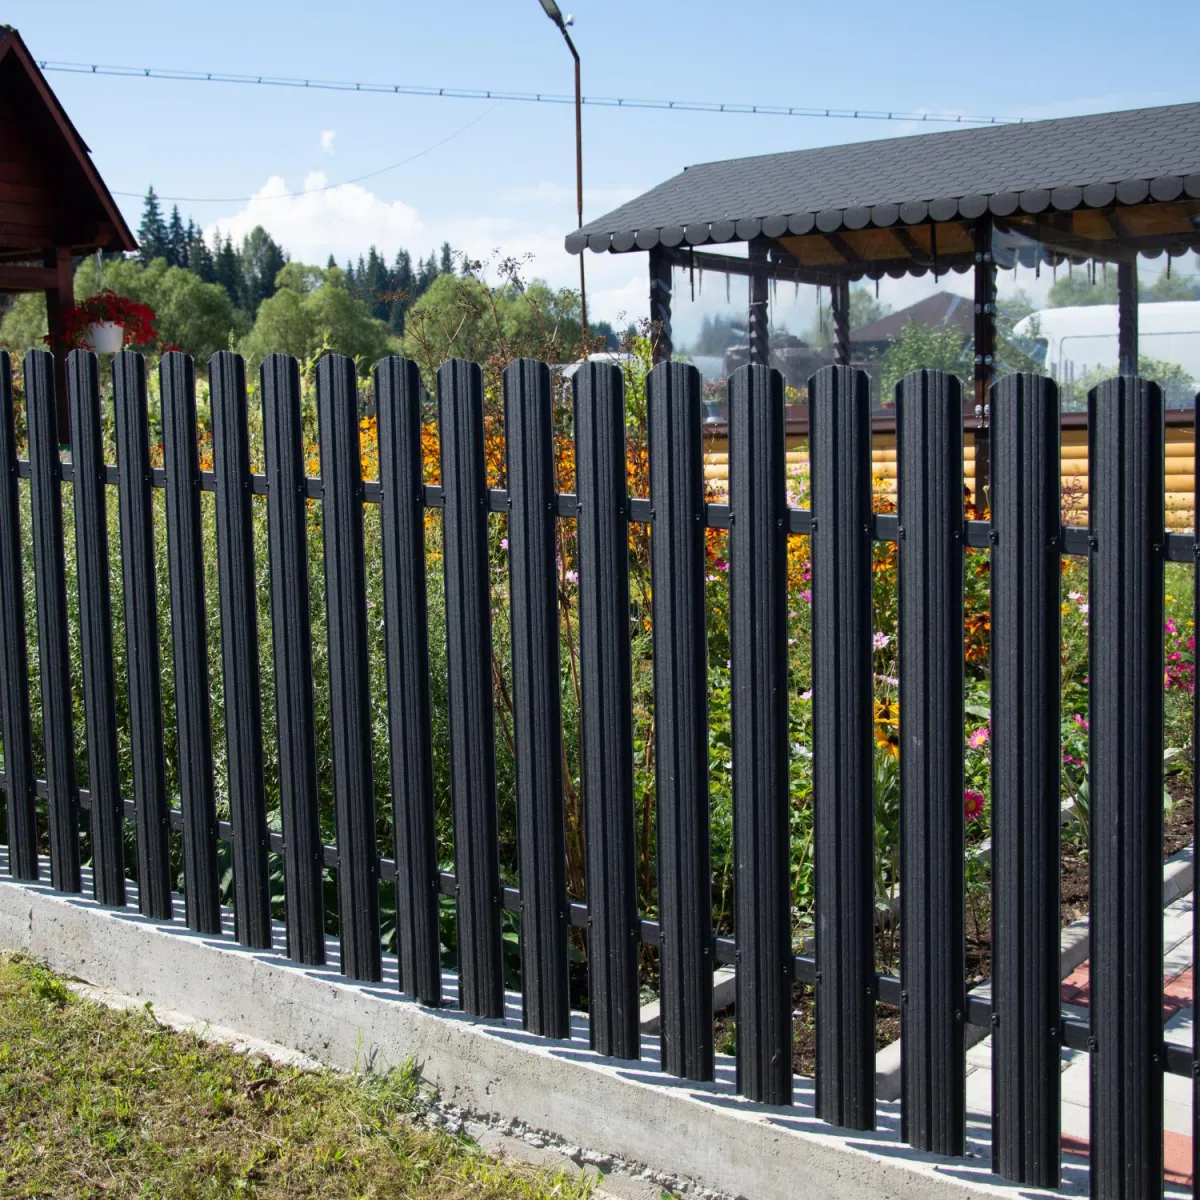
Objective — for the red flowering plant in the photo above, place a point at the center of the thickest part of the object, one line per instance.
(136, 320)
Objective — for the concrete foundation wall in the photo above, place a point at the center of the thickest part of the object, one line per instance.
(627, 1109)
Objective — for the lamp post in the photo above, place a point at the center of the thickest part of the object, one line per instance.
(555, 14)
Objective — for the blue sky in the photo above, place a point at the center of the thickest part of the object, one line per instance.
(504, 179)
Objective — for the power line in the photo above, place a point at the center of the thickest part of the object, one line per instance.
(329, 187)
(404, 89)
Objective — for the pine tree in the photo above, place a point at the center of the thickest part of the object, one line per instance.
(376, 285)
(331, 263)
(228, 268)
(446, 266)
(152, 233)
(199, 256)
(401, 285)
(261, 260)
(176, 240)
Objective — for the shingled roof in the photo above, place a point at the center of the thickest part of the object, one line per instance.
(1093, 161)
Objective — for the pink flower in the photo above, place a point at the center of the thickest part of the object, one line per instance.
(979, 737)
(972, 804)
(882, 641)
(572, 576)
(806, 597)
(504, 543)
(1081, 721)
(1170, 625)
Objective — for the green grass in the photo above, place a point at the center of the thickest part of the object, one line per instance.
(95, 1102)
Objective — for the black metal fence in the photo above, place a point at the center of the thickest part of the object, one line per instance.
(1126, 545)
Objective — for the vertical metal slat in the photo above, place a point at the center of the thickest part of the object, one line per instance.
(141, 635)
(681, 719)
(291, 626)
(932, 944)
(58, 733)
(18, 746)
(346, 609)
(606, 737)
(843, 718)
(401, 475)
(107, 812)
(1125, 767)
(1026, 764)
(239, 650)
(189, 644)
(759, 685)
(469, 680)
(537, 703)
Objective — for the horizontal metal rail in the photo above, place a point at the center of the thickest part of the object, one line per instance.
(1074, 1032)
(1179, 547)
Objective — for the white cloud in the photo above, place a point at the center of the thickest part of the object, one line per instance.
(321, 220)
(327, 136)
(346, 219)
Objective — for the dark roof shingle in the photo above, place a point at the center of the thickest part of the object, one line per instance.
(1058, 164)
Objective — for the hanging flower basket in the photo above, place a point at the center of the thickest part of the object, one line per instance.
(105, 337)
(107, 323)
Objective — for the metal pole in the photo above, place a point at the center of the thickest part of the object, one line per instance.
(583, 321)
(757, 329)
(1127, 317)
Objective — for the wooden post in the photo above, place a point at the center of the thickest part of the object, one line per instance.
(1127, 317)
(660, 305)
(840, 305)
(985, 350)
(759, 336)
(59, 298)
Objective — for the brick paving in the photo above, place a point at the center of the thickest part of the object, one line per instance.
(1178, 1014)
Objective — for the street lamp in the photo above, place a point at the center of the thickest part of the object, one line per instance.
(555, 14)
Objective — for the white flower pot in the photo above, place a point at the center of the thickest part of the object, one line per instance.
(106, 337)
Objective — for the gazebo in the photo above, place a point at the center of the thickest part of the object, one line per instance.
(1103, 188)
(54, 207)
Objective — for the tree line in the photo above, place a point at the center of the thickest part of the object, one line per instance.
(249, 273)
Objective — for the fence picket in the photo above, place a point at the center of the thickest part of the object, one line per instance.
(291, 625)
(1026, 765)
(759, 685)
(843, 718)
(18, 744)
(350, 701)
(239, 649)
(606, 736)
(677, 566)
(398, 396)
(469, 683)
(50, 588)
(189, 644)
(106, 809)
(1125, 769)
(932, 945)
(537, 703)
(136, 507)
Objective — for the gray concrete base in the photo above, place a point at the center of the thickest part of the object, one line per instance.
(626, 1109)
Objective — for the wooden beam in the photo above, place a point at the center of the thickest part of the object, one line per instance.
(59, 298)
(843, 247)
(27, 279)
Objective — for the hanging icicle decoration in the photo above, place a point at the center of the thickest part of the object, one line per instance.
(933, 251)
(727, 300)
(876, 287)
(701, 281)
(692, 272)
